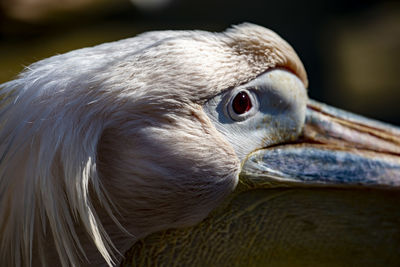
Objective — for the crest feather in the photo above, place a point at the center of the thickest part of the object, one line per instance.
(48, 161)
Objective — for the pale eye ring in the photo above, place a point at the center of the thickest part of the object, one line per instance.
(243, 104)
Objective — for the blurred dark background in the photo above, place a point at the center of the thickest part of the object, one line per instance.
(351, 49)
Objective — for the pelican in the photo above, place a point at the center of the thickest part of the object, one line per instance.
(190, 148)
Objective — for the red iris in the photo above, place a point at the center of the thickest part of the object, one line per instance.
(241, 103)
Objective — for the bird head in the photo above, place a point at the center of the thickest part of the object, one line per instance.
(103, 146)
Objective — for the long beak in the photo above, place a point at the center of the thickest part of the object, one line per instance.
(336, 149)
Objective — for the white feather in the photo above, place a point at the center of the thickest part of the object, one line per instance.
(114, 136)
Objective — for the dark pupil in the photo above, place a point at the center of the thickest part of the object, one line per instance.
(241, 103)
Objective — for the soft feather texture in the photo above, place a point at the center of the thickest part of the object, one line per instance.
(104, 145)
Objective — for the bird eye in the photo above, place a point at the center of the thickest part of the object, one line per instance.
(241, 103)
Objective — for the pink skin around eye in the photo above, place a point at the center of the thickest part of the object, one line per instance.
(241, 103)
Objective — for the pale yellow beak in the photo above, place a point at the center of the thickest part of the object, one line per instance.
(336, 149)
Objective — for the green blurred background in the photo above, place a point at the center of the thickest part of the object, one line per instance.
(351, 49)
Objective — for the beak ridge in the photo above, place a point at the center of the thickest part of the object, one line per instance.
(336, 149)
